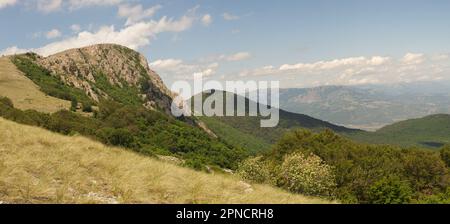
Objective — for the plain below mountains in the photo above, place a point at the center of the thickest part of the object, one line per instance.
(369, 107)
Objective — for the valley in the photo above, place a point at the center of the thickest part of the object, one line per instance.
(113, 97)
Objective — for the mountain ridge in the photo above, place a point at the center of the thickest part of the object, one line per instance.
(119, 66)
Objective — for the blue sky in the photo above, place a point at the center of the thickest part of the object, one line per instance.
(300, 43)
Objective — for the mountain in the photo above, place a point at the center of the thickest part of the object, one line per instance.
(369, 107)
(431, 131)
(241, 129)
(38, 166)
(107, 93)
(100, 71)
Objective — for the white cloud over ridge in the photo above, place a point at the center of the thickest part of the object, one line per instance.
(178, 69)
(136, 13)
(357, 70)
(6, 3)
(134, 36)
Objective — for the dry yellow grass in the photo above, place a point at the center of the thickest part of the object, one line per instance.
(23, 92)
(37, 166)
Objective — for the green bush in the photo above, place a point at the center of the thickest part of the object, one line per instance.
(87, 107)
(445, 155)
(307, 175)
(118, 137)
(358, 167)
(390, 190)
(7, 102)
(254, 170)
(74, 105)
(441, 198)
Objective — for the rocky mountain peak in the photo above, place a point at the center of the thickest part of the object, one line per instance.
(119, 65)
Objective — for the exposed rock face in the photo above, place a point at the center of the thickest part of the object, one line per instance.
(120, 65)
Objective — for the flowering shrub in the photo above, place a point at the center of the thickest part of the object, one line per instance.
(254, 170)
(307, 175)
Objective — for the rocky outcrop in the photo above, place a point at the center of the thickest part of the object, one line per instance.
(120, 65)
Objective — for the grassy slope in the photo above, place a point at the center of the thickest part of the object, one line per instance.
(24, 93)
(427, 131)
(37, 166)
(236, 137)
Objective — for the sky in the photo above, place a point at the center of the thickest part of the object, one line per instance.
(299, 43)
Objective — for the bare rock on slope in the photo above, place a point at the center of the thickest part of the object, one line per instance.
(120, 65)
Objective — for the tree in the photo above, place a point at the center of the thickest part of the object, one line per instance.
(390, 190)
(445, 154)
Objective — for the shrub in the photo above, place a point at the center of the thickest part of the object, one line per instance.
(74, 105)
(307, 175)
(254, 170)
(390, 190)
(441, 198)
(118, 137)
(87, 107)
(445, 155)
(6, 101)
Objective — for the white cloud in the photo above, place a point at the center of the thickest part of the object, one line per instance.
(240, 56)
(206, 20)
(229, 17)
(75, 28)
(413, 59)
(6, 3)
(357, 70)
(77, 4)
(52, 34)
(48, 6)
(12, 50)
(134, 36)
(136, 13)
(178, 69)
(327, 65)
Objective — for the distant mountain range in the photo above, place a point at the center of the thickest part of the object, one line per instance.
(431, 131)
(369, 107)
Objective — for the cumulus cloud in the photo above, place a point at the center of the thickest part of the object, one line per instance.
(206, 20)
(75, 28)
(327, 65)
(77, 4)
(229, 16)
(134, 36)
(48, 6)
(55, 33)
(358, 70)
(240, 56)
(12, 51)
(179, 69)
(136, 13)
(6, 3)
(413, 59)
